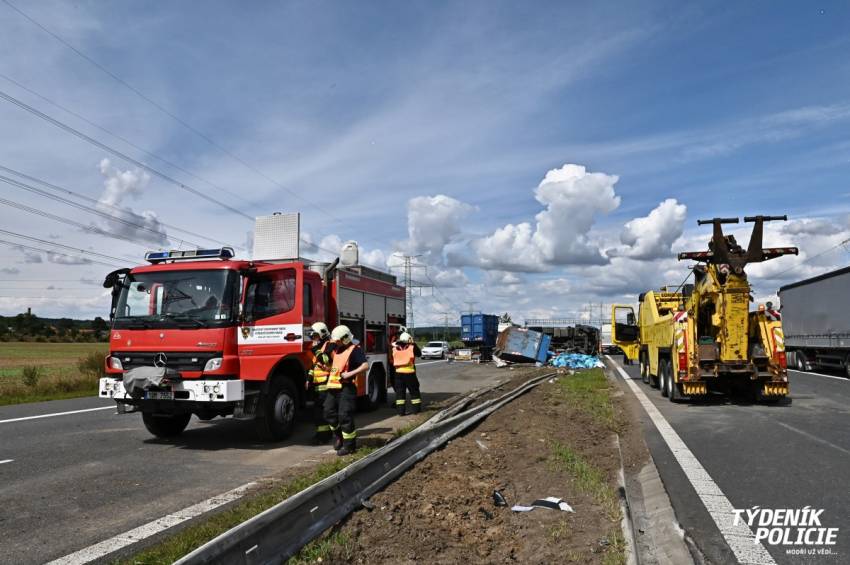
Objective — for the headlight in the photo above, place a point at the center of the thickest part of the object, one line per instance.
(115, 363)
(213, 364)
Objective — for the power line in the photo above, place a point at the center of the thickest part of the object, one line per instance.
(89, 228)
(121, 138)
(121, 155)
(63, 246)
(91, 210)
(167, 112)
(807, 259)
(15, 244)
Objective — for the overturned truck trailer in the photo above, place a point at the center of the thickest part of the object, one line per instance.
(572, 338)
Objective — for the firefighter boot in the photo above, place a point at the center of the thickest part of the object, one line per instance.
(348, 447)
(337, 434)
(400, 407)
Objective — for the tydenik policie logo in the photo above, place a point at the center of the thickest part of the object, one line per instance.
(799, 530)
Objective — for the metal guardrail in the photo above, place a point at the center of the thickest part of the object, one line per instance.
(279, 532)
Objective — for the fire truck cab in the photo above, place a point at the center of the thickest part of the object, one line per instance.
(201, 332)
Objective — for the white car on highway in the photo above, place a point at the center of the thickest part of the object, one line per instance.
(437, 349)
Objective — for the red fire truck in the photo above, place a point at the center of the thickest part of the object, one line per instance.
(201, 332)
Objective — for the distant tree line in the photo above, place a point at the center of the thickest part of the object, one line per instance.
(29, 327)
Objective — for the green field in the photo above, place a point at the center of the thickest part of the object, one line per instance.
(32, 372)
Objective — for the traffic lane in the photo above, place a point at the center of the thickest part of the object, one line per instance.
(774, 456)
(90, 476)
(14, 411)
(691, 514)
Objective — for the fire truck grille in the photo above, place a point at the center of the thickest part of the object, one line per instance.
(177, 360)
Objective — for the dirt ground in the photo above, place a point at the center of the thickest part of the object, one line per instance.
(443, 511)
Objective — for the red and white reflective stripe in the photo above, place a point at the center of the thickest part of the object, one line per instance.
(681, 316)
(778, 340)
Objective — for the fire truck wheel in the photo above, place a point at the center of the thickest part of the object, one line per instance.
(665, 378)
(276, 416)
(375, 392)
(165, 425)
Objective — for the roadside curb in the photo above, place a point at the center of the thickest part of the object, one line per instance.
(650, 526)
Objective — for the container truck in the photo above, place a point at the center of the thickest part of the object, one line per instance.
(201, 332)
(705, 337)
(479, 331)
(816, 317)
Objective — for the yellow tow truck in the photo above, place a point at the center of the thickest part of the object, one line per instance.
(703, 337)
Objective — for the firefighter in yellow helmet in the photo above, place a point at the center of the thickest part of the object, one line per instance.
(404, 363)
(322, 349)
(348, 362)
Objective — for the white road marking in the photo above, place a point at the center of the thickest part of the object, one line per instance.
(431, 362)
(811, 437)
(739, 537)
(846, 380)
(56, 414)
(103, 548)
(6, 461)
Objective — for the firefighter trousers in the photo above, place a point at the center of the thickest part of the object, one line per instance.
(340, 404)
(322, 427)
(404, 383)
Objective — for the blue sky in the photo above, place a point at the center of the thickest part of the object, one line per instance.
(429, 127)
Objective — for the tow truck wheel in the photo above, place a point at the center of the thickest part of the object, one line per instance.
(673, 389)
(276, 413)
(644, 370)
(847, 367)
(165, 426)
(665, 378)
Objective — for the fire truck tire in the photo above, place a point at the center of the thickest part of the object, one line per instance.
(644, 369)
(376, 392)
(276, 412)
(665, 377)
(165, 426)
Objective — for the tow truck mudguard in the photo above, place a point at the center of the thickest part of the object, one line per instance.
(200, 390)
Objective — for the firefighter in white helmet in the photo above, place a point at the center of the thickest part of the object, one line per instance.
(348, 362)
(322, 349)
(404, 363)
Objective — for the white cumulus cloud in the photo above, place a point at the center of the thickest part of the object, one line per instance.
(432, 223)
(573, 199)
(652, 236)
(117, 186)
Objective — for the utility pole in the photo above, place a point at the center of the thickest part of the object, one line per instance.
(446, 327)
(409, 284)
(471, 306)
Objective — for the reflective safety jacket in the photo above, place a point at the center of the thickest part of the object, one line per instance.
(339, 365)
(321, 366)
(404, 359)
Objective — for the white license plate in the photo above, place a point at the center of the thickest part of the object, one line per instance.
(159, 395)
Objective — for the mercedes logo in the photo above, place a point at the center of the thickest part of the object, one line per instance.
(160, 360)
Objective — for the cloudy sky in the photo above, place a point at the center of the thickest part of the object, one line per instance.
(537, 157)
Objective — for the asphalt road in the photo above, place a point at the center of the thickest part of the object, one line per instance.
(772, 456)
(73, 480)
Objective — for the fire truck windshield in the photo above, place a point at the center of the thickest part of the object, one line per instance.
(181, 299)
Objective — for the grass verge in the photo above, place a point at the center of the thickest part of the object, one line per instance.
(37, 383)
(590, 392)
(181, 543)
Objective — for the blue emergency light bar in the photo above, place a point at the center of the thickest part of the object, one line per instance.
(189, 255)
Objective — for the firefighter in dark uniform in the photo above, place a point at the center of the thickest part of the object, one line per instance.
(322, 349)
(348, 361)
(404, 363)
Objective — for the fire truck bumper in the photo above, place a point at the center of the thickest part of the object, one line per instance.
(195, 391)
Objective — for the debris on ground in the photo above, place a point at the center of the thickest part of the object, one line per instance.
(576, 361)
(550, 503)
